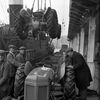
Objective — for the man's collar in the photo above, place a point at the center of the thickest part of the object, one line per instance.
(12, 53)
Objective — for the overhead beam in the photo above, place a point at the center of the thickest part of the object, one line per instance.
(76, 20)
(80, 4)
(72, 22)
(76, 13)
(94, 1)
(76, 17)
(74, 28)
(77, 10)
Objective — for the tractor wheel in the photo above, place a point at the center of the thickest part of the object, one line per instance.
(52, 22)
(69, 85)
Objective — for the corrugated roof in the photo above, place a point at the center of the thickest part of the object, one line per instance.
(80, 10)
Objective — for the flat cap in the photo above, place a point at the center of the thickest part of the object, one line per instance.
(69, 50)
(11, 46)
(2, 52)
(22, 48)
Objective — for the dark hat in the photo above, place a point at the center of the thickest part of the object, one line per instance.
(69, 50)
(11, 46)
(22, 48)
(2, 52)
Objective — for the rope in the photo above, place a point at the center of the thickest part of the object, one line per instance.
(33, 5)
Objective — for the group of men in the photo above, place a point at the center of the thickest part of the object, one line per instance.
(12, 74)
(11, 70)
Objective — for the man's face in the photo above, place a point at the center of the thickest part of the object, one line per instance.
(22, 51)
(70, 53)
(12, 50)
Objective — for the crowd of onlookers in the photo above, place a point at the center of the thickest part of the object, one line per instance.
(13, 71)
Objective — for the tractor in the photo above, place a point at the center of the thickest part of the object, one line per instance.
(49, 78)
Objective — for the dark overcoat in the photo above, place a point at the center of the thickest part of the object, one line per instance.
(13, 64)
(20, 58)
(5, 85)
(11, 60)
(82, 72)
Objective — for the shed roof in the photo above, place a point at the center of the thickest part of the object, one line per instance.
(80, 10)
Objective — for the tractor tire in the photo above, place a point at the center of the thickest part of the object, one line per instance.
(69, 85)
(52, 22)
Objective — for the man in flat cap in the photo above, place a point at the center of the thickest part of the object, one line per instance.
(4, 76)
(11, 56)
(11, 60)
(20, 57)
(20, 75)
(82, 72)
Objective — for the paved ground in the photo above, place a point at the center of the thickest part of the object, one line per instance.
(93, 98)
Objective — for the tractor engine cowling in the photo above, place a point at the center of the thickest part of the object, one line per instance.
(37, 84)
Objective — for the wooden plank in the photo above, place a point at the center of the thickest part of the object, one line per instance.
(77, 10)
(76, 17)
(72, 22)
(76, 20)
(80, 5)
(76, 13)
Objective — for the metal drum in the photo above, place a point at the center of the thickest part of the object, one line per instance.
(37, 84)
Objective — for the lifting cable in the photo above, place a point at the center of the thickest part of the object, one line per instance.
(33, 6)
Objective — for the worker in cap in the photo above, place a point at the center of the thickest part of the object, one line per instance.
(80, 67)
(11, 55)
(22, 48)
(4, 76)
(13, 63)
(20, 75)
(20, 57)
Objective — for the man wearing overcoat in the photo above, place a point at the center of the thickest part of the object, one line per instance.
(82, 72)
